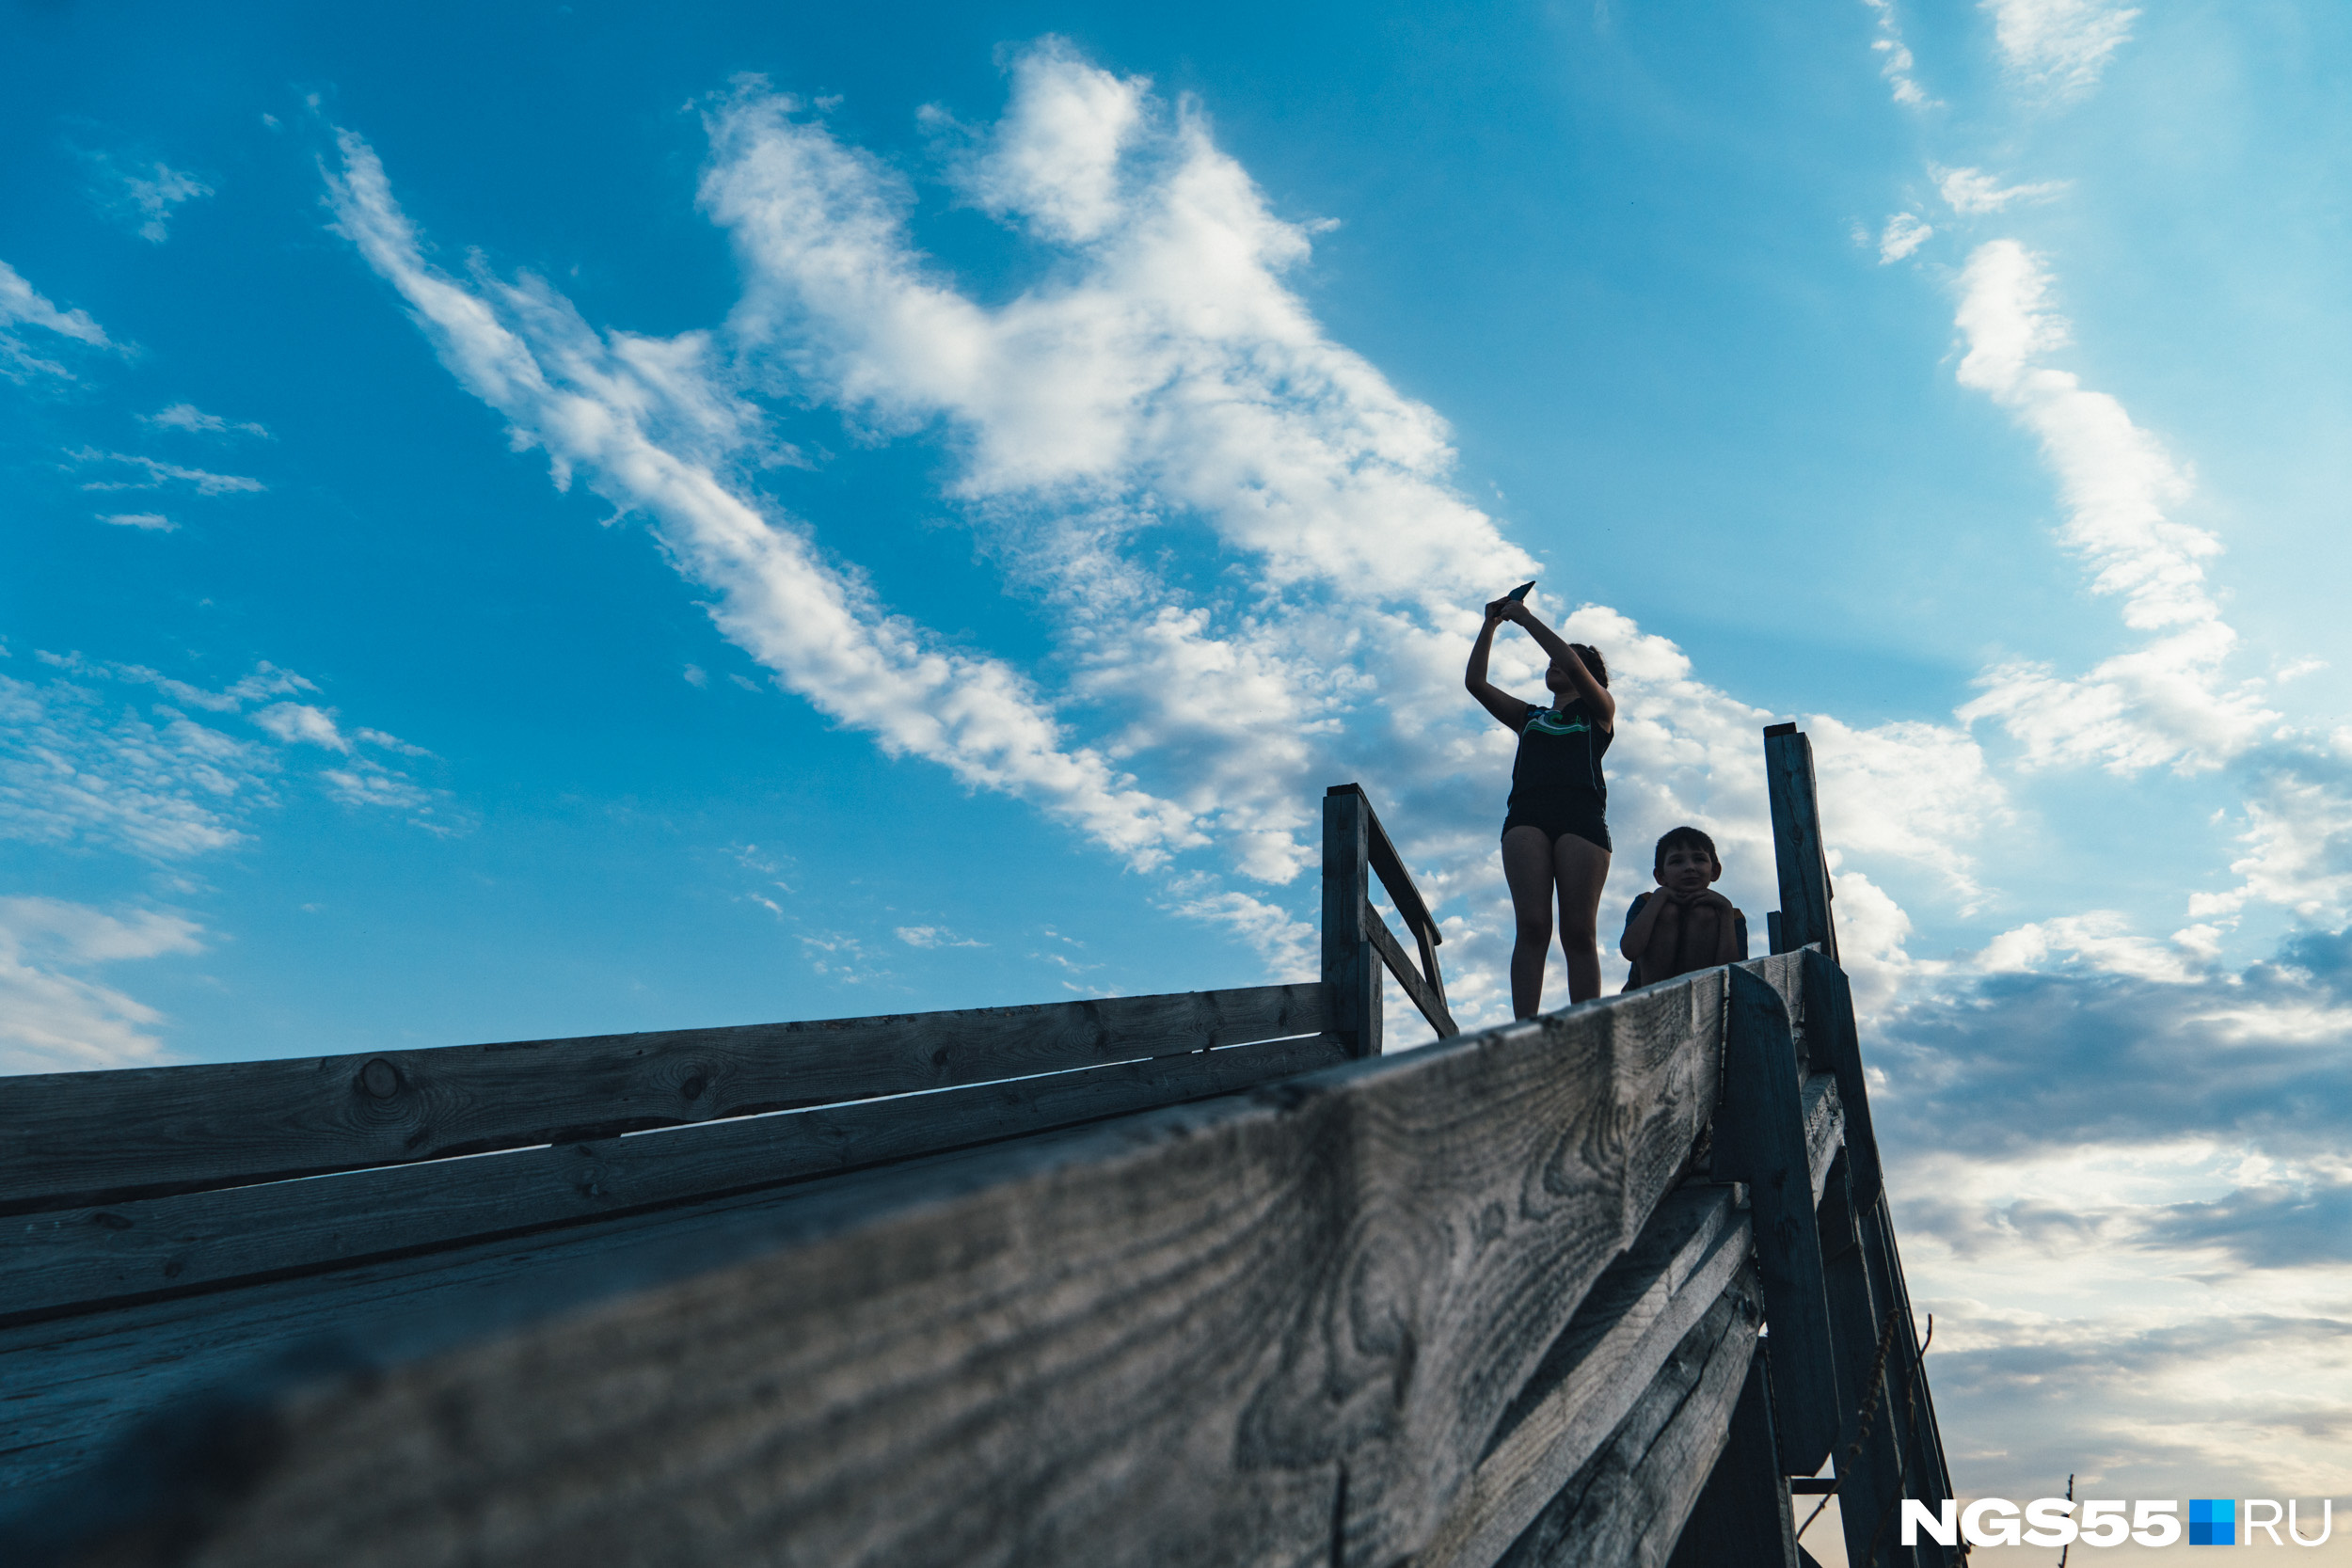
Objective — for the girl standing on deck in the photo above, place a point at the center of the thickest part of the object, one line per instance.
(1555, 831)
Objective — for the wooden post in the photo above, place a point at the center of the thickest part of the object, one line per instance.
(1741, 1519)
(1761, 1140)
(1804, 890)
(1835, 1045)
(1910, 1407)
(1351, 966)
(1869, 1465)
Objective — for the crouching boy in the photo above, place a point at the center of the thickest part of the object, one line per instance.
(1685, 925)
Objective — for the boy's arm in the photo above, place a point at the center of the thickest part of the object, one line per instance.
(1732, 927)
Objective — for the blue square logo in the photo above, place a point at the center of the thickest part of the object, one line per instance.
(2213, 1521)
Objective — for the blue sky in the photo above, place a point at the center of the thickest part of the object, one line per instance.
(534, 521)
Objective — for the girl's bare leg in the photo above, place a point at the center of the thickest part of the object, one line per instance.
(1527, 866)
(1580, 866)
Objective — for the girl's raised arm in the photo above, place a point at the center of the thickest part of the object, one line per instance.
(1509, 711)
(1595, 695)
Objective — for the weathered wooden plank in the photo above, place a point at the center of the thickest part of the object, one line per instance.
(101, 1137)
(1835, 1045)
(1628, 1504)
(1824, 1129)
(1785, 973)
(72, 1258)
(1390, 867)
(1910, 1406)
(1162, 1342)
(1798, 851)
(1741, 1519)
(1869, 1463)
(1351, 966)
(1599, 1365)
(1760, 1139)
(1418, 992)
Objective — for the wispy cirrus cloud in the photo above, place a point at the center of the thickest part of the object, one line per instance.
(144, 194)
(650, 426)
(153, 475)
(189, 417)
(55, 1017)
(1904, 233)
(2063, 45)
(1970, 191)
(80, 765)
(2165, 702)
(1894, 59)
(21, 305)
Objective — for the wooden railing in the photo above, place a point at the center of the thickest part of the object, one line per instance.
(1201, 1278)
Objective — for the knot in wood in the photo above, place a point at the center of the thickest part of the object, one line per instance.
(380, 1079)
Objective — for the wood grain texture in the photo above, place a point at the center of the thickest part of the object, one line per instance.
(1869, 1465)
(1351, 966)
(1824, 1129)
(1422, 995)
(74, 1259)
(1835, 1046)
(1741, 1519)
(80, 1138)
(1785, 973)
(1798, 851)
(1926, 1474)
(1166, 1343)
(1603, 1362)
(1760, 1139)
(1386, 864)
(1627, 1506)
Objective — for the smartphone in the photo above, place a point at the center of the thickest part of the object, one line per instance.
(1520, 591)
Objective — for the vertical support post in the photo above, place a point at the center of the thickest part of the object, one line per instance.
(1759, 1139)
(1910, 1407)
(1804, 890)
(1351, 966)
(1835, 1046)
(1741, 1519)
(1870, 1466)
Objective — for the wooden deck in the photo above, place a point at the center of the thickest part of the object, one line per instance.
(1193, 1279)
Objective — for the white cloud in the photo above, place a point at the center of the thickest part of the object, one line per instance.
(74, 768)
(2098, 939)
(21, 305)
(80, 765)
(301, 723)
(1895, 61)
(146, 199)
(1969, 191)
(159, 474)
(2298, 835)
(932, 936)
(1904, 233)
(188, 417)
(53, 1020)
(374, 785)
(2165, 701)
(644, 418)
(2064, 45)
(155, 522)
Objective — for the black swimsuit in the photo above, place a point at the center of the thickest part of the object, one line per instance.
(1556, 784)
